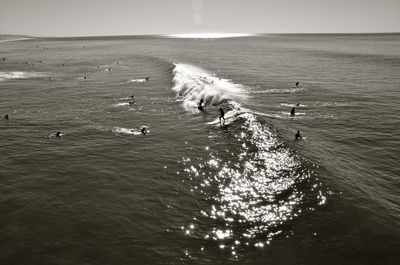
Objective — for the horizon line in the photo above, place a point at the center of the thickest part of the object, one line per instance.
(196, 35)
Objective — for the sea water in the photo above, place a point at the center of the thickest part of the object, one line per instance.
(192, 189)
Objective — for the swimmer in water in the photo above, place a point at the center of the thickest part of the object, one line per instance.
(6, 117)
(54, 134)
(221, 116)
(200, 106)
(298, 136)
(292, 112)
(143, 130)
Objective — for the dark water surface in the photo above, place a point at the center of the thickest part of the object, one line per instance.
(191, 191)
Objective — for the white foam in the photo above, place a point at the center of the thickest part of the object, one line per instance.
(137, 80)
(18, 75)
(122, 130)
(121, 104)
(292, 105)
(193, 83)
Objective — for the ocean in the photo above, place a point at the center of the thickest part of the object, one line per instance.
(192, 189)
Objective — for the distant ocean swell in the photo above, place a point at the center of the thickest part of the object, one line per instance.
(257, 185)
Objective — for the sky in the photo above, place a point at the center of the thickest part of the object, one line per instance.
(56, 18)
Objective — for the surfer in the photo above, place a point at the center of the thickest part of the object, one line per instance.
(221, 116)
(133, 96)
(200, 106)
(131, 102)
(298, 136)
(292, 112)
(84, 77)
(147, 78)
(6, 117)
(298, 104)
(143, 130)
(297, 84)
(54, 134)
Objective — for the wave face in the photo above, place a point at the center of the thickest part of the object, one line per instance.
(18, 75)
(255, 186)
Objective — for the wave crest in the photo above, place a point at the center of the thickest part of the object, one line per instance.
(193, 83)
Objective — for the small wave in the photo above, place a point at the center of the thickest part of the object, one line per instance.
(122, 130)
(335, 104)
(121, 104)
(104, 67)
(142, 80)
(278, 91)
(18, 75)
(293, 105)
(54, 134)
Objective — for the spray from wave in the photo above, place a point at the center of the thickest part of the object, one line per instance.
(193, 83)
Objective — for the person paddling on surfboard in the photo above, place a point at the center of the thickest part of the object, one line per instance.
(298, 136)
(221, 116)
(292, 112)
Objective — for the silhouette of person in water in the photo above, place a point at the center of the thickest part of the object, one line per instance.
(292, 112)
(298, 136)
(143, 130)
(297, 84)
(58, 134)
(133, 96)
(6, 117)
(200, 106)
(221, 115)
(147, 78)
(298, 104)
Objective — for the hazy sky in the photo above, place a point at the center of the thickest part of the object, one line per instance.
(129, 17)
